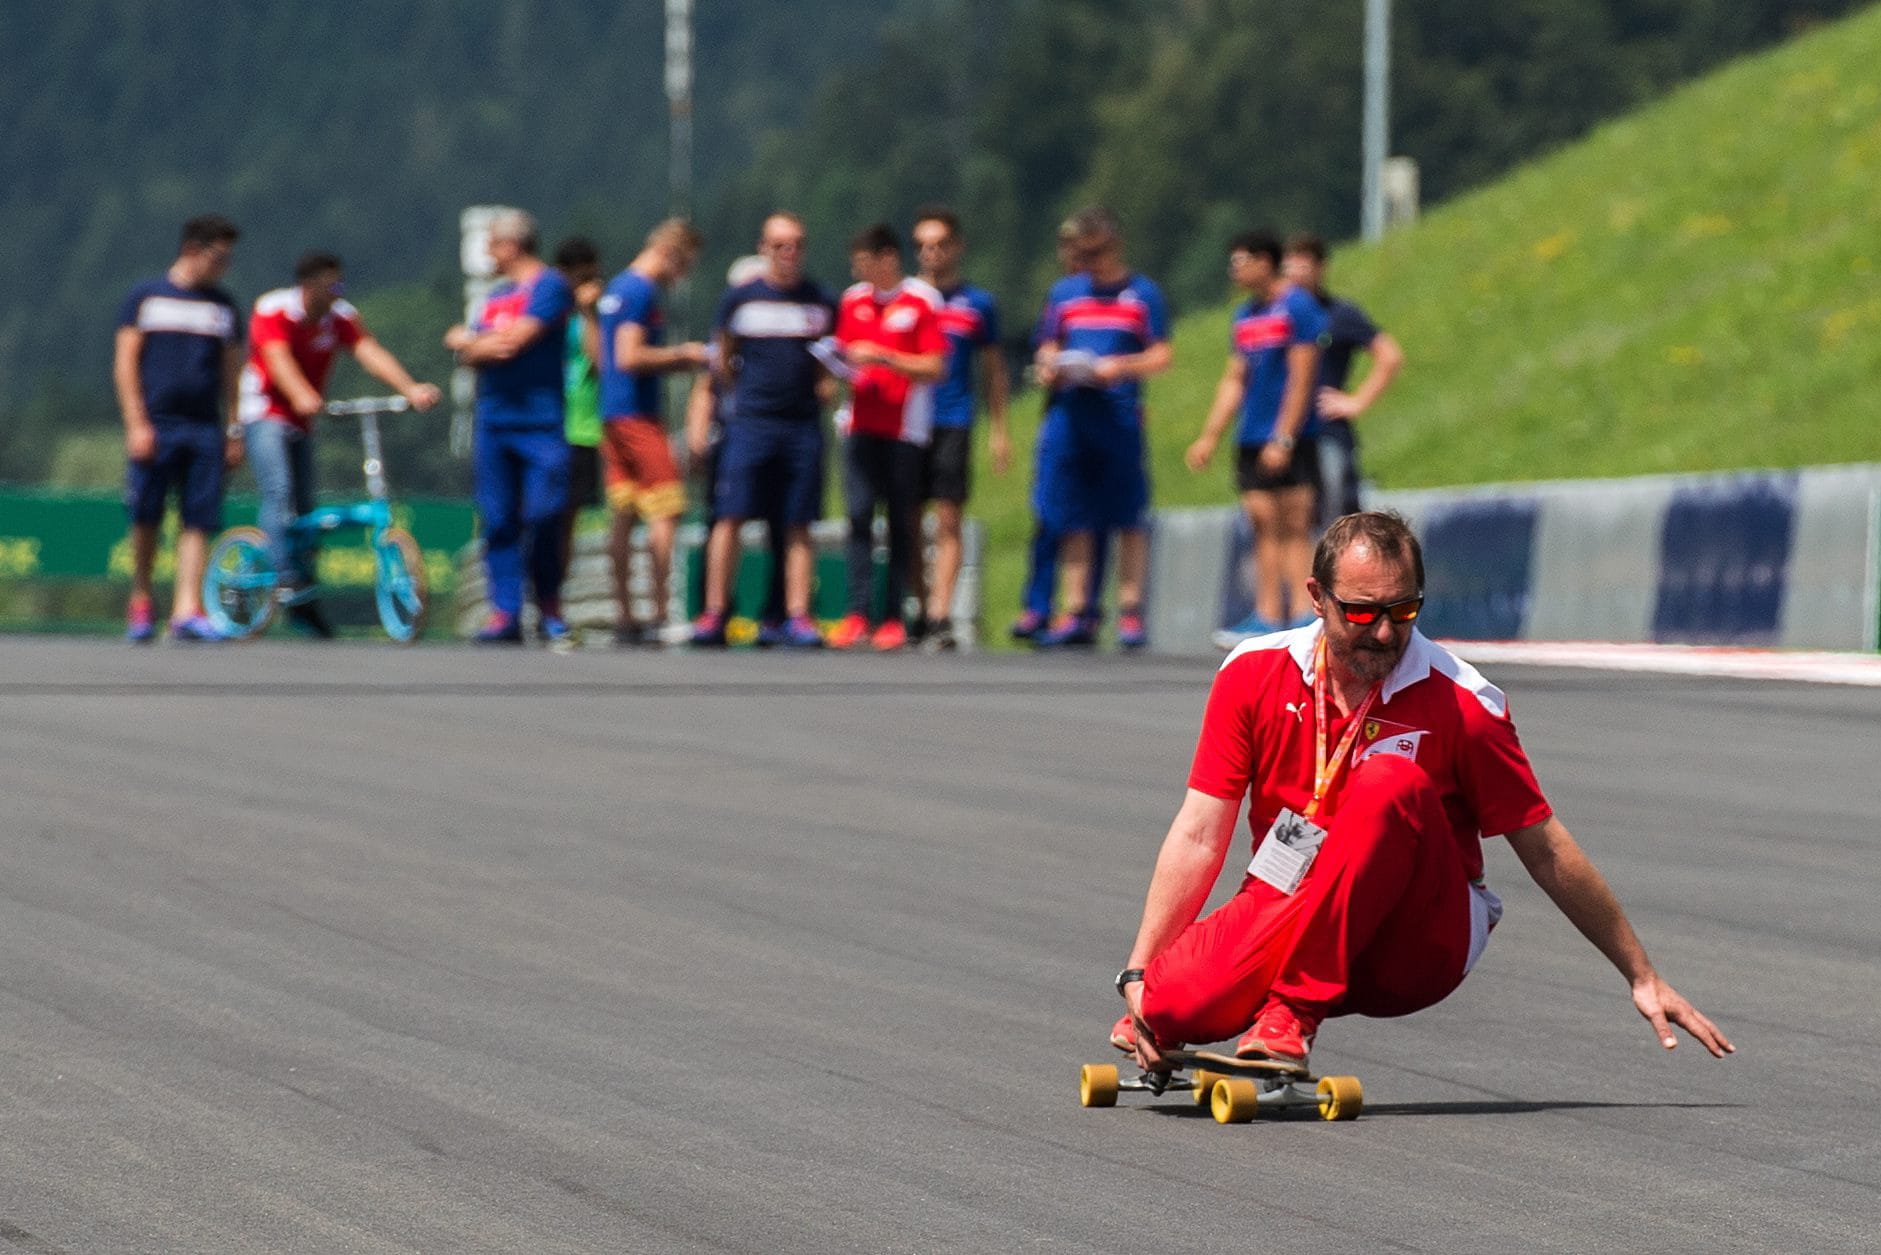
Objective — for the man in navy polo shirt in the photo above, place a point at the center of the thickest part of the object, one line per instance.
(1349, 332)
(521, 462)
(176, 369)
(771, 462)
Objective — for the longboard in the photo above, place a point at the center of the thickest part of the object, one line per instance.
(1233, 1089)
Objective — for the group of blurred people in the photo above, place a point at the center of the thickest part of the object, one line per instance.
(903, 359)
(572, 373)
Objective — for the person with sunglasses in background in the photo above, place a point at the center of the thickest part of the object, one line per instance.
(1375, 762)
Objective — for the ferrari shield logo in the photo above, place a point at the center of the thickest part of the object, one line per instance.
(1371, 729)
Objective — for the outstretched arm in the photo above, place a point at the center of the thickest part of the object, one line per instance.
(1570, 879)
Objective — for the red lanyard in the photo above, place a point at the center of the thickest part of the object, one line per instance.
(1325, 770)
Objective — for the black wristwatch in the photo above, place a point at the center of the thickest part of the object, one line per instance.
(1127, 976)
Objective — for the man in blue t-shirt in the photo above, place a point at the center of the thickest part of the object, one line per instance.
(771, 460)
(1273, 366)
(176, 370)
(1349, 332)
(970, 321)
(642, 475)
(516, 342)
(1104, 331)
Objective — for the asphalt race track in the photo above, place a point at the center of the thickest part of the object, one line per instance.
(353, 949)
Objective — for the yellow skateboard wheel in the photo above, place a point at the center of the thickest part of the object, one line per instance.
(1203, 1086)
(1340, 1097)
(1097, 1085)
(1235, 1100)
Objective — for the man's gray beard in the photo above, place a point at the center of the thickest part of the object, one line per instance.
(1367, 664)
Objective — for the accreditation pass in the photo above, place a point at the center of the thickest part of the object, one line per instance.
(1287, 851)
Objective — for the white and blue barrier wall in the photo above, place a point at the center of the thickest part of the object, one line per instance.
(1761, 558)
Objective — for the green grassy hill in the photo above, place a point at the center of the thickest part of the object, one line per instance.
(1691, 288)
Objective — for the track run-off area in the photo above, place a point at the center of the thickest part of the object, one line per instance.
(354, 949)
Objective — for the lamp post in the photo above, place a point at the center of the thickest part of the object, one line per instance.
(679, 104)
(1377, 97)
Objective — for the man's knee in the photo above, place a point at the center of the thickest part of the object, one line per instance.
(1385, 791)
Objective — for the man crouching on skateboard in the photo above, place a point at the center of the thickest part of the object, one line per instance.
(1374, 761)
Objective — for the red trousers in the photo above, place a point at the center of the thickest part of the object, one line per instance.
(1380, 926)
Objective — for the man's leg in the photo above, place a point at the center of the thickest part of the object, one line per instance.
(265, 444)
(1338, 471)
(498, 488)
(906, 467)
(662, 534)
(1294, 522)
(192, 551)
(947, 561)
(1074, 572)
(1263, 512)
(1042, 576)
(544, 502)
(661, 496)
(799, 561)
(200, 513)
(721, 564)
(1132, 570)
(620, 554)
(864, 472)
(146, 487)
(144, 537)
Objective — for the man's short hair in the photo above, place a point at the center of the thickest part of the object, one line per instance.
(875, 240)
(1257, 244)
(577, 252)
(1095, 222)
(208, 230)
(311, 265)
(518, 226)
(676, 233)
(1384, 532)
(1308, 243)
(941, 214)
(786, 215)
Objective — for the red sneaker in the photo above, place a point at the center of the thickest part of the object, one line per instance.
(1123, 1034)
(1279, 1033)
(891, 635)
(849, 633)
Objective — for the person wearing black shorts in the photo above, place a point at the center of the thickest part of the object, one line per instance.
(970, 321)
(1269, 381)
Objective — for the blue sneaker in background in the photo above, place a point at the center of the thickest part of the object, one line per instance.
(1069, 631)
(800, 633)
(196, 628)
